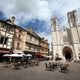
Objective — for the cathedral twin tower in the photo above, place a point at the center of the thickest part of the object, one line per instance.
(66, 41)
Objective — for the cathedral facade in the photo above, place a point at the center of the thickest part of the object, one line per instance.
(66, 41)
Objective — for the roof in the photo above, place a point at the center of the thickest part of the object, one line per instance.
(33, 33)
(7, 23)
(11, 24)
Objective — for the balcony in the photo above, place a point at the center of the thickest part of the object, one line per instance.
(31, 42)
(30, 50)
(44, 46)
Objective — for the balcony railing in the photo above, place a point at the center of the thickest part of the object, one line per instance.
(36, 50)
(27, 49)
(32, 42)
(45, 46)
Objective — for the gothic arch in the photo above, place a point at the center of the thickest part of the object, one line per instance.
(67, 53)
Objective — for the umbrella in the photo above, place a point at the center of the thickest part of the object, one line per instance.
(28, 55)
(6, 55)
(16, 55)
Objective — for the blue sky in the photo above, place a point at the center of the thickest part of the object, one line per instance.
(37, 13)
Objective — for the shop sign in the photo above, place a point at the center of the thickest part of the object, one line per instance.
(4, 51)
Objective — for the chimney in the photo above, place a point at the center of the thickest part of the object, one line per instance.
(12, 20)
(30, 29)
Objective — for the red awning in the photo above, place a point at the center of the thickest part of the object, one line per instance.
(40, 54)
(4, 51)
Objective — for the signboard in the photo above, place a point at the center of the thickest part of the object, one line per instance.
(4, 51)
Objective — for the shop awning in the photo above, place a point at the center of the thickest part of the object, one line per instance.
(39, 54)
(6, 55)
(21, 52)
(4, 51)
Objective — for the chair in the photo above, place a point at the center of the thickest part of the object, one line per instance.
(16, 66)
(64, 68)
(49, 66)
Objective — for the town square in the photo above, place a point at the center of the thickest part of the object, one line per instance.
(39, 40)
(39, 73)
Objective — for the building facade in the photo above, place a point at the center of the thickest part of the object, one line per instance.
(6, 38)
(44, 46)
(35, 45)
(66, 41)
(15, 39)
(19, 40)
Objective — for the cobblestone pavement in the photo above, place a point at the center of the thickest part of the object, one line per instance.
(39, 73)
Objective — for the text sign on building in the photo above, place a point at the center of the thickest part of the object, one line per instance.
(4, 51)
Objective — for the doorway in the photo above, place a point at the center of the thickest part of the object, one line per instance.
(67, 53)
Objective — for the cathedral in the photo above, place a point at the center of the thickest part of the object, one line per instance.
(66, 41)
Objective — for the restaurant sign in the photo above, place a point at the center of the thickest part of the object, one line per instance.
(4, 51)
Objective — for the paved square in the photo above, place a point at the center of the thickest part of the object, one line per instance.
(39, 73)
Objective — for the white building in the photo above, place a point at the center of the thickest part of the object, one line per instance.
(66, 41)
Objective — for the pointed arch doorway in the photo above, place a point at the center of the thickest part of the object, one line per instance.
(67, 53)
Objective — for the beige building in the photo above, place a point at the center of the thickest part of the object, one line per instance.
(35, 45)
(27, 41)
(66, 41)
(31, 41)
(44, 46)
(19, 40)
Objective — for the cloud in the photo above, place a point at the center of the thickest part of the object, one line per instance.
(60, 8)
(43, 10)
(25, 10)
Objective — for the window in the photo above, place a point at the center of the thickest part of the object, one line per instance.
(3, 40)
(6, 39)
(35, 39)
(8, 29)
(18, 46)
(19, 36)
(46, 50)
(5, 27)
(29, 47)
(57, 55)
(79, 58)
(19, 30)
(30, 38)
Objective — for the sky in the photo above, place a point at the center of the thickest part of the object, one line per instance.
(37, 13)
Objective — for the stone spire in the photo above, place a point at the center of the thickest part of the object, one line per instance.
(72, 18)
(54, 24)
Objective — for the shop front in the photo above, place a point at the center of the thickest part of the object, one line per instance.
(32, 53)
(2, 52)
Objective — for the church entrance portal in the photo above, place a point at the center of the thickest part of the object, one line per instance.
(67, 53)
